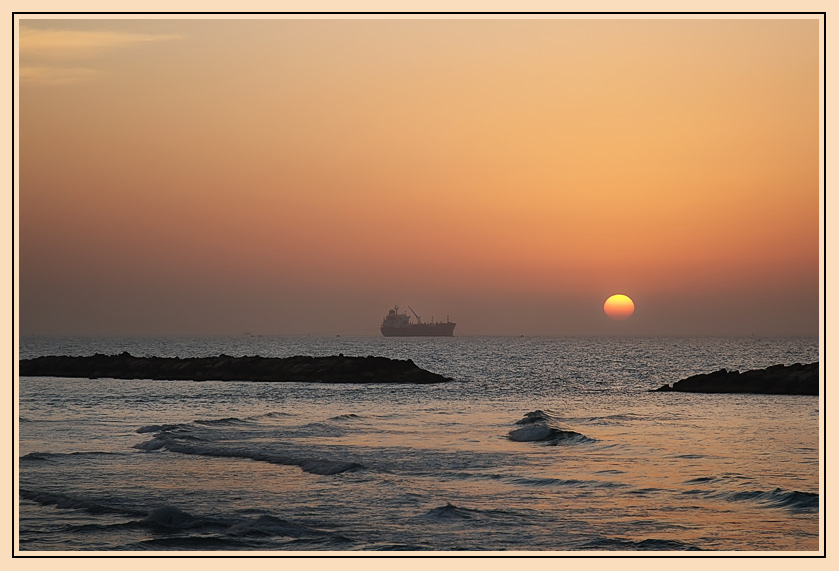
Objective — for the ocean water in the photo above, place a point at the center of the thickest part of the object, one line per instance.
(537, 445)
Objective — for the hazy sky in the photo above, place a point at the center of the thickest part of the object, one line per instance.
(303, 176)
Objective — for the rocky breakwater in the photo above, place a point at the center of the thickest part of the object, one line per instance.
(333, 369)
(775, 380)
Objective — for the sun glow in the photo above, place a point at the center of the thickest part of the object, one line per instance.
(375, 148)
(619, 307)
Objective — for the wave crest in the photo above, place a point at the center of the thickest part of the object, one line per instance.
(541, 426)
(778, 498)
(452, 512)
(168, 516)
(183, 442)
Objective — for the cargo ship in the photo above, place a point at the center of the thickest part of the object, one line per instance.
(397, 324)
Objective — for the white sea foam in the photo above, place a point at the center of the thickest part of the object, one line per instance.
(218, 442)
(539, 426)
(598, 464)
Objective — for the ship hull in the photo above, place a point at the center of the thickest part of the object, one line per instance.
(420, 330)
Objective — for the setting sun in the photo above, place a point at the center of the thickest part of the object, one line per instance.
(375, 247)
(430, 161)
(619, 307)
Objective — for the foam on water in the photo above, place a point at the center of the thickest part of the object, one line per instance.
(794, 500)
(540, 426)
(597, 464)
(183, 439)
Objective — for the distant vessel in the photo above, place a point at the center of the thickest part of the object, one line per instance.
(397, 324)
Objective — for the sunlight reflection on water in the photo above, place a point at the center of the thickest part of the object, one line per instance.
(438, 468)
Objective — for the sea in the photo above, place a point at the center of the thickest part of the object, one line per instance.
(537, 446)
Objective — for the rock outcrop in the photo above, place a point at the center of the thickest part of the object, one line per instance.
(794, 379)
(333, 369)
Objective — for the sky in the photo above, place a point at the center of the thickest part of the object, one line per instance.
(302, 176)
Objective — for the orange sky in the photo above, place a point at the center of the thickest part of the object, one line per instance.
(303, 176)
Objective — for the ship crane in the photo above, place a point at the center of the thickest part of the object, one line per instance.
(415, 315)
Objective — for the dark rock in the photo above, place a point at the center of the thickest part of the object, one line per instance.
(794, 379)
(333, 369)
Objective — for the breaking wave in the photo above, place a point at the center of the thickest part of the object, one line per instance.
(69, 502)
(538, 416)
(224, 533)
(348, 416)
(559, 482)
(541, 426)
(778, 498)
(177, 438)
